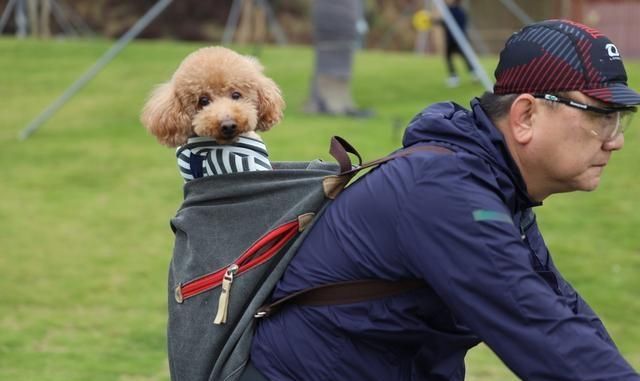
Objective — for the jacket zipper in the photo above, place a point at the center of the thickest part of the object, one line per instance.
(258, 253)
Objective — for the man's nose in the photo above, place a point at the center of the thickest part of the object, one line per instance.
(614, 144)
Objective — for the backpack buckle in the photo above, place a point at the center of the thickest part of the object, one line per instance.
(262, 312)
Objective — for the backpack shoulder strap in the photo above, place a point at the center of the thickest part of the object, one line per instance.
(356, 290)
(340, 150)
(342, 293)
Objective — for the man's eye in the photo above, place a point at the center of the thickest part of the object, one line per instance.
(595, 116)
(236, 95)
(203, 101)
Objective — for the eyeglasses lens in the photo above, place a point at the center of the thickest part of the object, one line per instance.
(613, 125)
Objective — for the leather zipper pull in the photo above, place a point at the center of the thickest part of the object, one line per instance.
(223, 302)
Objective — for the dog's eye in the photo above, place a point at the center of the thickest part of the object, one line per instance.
(203, 101)
(236, 95)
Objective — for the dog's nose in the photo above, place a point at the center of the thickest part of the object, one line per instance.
(228, 128)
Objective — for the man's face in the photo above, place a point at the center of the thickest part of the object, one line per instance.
(570, 155)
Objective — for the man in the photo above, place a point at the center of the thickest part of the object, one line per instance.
(462, 222)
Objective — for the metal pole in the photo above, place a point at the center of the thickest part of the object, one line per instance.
(232, 22)
(75, 20)
(462, 41)
(61, 19)
(21, 20)
(272, 21)
(517, 11)
(6, 14)
(96, 68)
(234, 17)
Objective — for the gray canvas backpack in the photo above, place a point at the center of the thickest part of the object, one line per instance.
(234, 236)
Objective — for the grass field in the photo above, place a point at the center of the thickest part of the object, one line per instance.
(84, 234)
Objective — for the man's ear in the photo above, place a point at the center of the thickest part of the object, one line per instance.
(522, 116)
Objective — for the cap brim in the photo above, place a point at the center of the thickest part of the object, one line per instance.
(616, 93)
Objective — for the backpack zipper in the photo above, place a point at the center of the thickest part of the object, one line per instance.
(223, 302)
(258, 253)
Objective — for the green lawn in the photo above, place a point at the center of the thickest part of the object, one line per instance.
(84, 234)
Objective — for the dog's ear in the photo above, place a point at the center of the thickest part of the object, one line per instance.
(270, 104)
(165, 118)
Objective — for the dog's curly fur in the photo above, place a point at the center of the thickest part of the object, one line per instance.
(215, 92)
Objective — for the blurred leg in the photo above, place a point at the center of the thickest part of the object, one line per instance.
(335, 41)
(451, 48)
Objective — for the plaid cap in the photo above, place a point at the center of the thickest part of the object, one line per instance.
(562, 55)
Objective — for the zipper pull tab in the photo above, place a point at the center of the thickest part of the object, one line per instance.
(223, 302)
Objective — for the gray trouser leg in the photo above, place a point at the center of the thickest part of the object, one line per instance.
(335, 36)
(335, 39)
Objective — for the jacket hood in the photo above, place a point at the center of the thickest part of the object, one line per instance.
(450, 124)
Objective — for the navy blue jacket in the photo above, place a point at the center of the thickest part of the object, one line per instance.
(461, 222)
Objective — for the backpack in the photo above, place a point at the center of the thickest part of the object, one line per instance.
(234, 237)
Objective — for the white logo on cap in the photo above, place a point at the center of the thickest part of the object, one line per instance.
(612, 51)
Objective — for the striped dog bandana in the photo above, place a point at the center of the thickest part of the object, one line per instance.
(203, 156)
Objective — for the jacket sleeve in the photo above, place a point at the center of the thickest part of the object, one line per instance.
(542, 259)
(456, 232)
(579, 306)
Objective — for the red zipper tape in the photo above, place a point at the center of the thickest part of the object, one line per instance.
(258, 253)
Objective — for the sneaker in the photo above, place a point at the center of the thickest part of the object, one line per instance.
(453, 81)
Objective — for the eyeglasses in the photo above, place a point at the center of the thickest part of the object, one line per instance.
(610, 122)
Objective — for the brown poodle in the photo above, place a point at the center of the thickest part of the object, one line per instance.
(216, 96)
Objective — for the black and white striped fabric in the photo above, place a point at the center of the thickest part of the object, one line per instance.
(203, 156)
